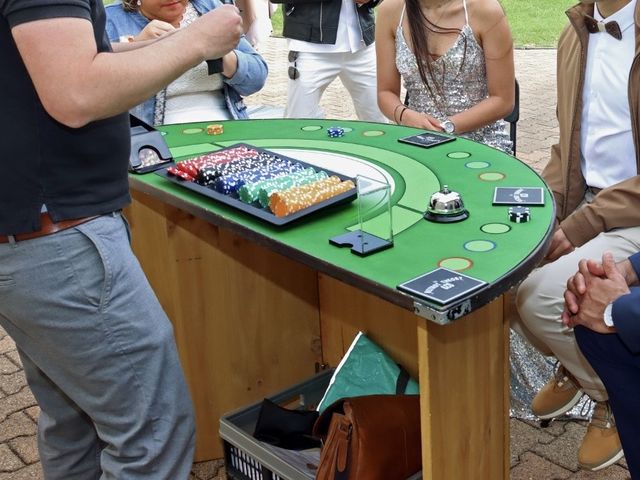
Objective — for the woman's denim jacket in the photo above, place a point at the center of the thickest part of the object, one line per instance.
(249, 77)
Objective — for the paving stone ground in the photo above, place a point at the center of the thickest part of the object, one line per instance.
(536, 453)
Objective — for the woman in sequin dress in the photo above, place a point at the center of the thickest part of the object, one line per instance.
(455, 58)
(464, 48)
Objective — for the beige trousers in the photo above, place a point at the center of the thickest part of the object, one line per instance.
(540, 302)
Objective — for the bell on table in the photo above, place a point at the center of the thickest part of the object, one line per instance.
(446, 206)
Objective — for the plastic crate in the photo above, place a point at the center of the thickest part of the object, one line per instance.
(249, 459)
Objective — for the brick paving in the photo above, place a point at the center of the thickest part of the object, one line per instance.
(536, 453)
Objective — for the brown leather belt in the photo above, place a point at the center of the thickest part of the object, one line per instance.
(47, 227)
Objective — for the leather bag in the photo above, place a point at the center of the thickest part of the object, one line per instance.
(373, 437)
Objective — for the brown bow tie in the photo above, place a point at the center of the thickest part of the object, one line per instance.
(594, 26)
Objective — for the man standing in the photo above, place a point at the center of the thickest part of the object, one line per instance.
(328, 39)
(97, 348)
(605, 312)
(593, 173)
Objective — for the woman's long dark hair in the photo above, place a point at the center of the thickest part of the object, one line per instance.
(421, 27)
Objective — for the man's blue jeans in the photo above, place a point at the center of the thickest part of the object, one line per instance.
(99, 355)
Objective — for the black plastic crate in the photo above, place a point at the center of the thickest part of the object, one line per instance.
(249, 459)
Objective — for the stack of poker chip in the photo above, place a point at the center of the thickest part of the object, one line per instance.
(519, 214)
(335, 132)
(189, 169)
(285, 183)
(210, 173)
(297, 198)
(228, 184)
(215, 129)
(249, 192)
(180, 174)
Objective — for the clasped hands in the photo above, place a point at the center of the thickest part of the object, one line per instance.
(424, 121)
(594, 286)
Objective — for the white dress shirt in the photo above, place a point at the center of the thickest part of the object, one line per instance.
(606, 140)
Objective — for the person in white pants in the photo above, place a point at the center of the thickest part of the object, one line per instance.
(328, 40)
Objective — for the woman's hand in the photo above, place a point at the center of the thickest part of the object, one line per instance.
(411, 118)
(154, 29)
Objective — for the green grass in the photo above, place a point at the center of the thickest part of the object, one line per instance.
(534, 23)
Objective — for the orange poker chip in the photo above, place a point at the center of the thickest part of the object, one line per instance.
(291, 202)
(215, 129)
(299, 195)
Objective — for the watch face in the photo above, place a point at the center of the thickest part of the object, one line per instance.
(448, 126)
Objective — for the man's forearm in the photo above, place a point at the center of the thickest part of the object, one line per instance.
(119, 47)
(137, 72)
(77, 85)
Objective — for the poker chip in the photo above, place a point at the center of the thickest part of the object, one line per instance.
(282, 184)
(180, 174)
(216, 129)
(297, 198)
(232, 183)
(249, 192)
(519, 214)
(334, 132)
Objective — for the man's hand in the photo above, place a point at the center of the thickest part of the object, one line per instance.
(590, 290)
(219, 31)
(154, 29)
(560, 245)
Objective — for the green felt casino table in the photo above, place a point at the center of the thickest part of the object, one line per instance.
(257, 308)
(486, 246)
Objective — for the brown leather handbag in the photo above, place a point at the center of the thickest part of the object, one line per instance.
(374, 437)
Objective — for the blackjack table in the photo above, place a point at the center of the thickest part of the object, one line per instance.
(258, 305)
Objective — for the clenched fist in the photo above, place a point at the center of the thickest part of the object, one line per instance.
(218, 31)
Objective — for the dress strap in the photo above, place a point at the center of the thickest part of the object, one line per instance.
(466, 14)
(404, 7)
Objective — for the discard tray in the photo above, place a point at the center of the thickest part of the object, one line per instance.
(255, 208)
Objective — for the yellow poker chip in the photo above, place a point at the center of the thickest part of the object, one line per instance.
(215, 129)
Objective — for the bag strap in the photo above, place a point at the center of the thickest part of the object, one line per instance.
(402, 381)
(344, 474)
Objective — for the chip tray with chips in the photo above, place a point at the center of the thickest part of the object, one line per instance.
(265, 184)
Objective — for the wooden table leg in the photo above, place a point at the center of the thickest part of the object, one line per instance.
(464, 385)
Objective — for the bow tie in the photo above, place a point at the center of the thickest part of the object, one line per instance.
(594, 26)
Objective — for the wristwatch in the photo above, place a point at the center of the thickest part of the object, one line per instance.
(448, 126)
(608, 317)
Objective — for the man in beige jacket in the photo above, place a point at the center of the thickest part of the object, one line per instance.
(593, 173)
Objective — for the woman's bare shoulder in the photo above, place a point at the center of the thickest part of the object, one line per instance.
(484, 14)
(390, 10)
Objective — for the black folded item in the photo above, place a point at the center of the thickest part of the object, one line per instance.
(284, 428)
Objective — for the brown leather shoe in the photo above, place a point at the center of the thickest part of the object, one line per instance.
(601, 445)
(558, 396)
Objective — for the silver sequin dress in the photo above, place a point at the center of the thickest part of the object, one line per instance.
(463, 77)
